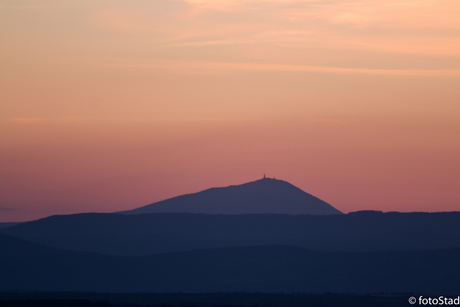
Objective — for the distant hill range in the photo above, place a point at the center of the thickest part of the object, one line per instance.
(144, 234)
(258, 197)
(26, 266)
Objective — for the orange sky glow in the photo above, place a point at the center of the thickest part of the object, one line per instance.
(111, 105)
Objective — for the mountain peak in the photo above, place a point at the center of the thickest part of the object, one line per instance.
(263, 196)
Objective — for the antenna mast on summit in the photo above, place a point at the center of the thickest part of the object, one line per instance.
(264, 175)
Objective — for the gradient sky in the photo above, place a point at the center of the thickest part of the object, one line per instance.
(110, 105)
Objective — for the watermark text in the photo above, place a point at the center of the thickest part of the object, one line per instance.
(437, 301)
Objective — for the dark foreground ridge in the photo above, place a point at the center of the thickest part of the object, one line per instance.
(262, 196)
(67, 299)
(6, 225)
(29, 266)
(146, 234)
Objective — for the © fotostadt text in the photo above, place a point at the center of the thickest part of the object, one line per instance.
(441, 300)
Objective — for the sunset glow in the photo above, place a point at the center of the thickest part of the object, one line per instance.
(111, 105)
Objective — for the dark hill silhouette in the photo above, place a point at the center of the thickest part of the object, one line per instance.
(6, 225)
(261, 196)
(144, 234)
(27, 266)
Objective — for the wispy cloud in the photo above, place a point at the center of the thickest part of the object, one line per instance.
(202, 67)
(373, 25)
(209, 43)
(402, 13)
(28, 120)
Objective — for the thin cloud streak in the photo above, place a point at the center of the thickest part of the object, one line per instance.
(216, 67)
(28, 120)
(42, 120)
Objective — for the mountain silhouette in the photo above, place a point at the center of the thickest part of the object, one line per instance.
(258, 197)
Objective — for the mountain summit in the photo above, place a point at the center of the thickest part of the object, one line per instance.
(261, 196)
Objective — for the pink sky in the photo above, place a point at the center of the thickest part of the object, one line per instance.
(112, 105)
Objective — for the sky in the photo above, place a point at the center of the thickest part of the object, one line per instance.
(110, 105)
